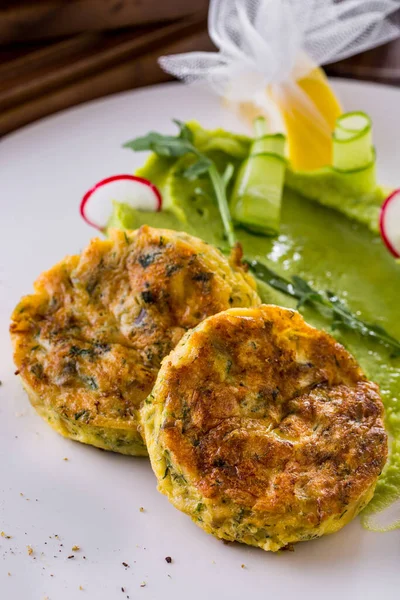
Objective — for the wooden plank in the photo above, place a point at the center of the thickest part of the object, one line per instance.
(32, 20)
(29, 59)
(380, 64)
(61, 64)
(129, 74)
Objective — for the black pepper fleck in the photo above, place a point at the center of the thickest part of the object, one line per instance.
(147, 259)
(168, 559)
(202, 277)
(148, 297)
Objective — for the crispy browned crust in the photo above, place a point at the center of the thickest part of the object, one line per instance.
(263, 413)
(89, 342)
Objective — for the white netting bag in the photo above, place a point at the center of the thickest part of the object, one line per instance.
(271, 44)
(271, 41)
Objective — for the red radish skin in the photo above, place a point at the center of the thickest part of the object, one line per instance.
(391, 204)
(153, 201)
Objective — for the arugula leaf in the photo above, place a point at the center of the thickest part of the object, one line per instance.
(163, 145)
(344, 317)
(184, 132)
(228, 174)
(179, 145)
(327, 303)
(220, 192)
(305, 291)
(198, 168)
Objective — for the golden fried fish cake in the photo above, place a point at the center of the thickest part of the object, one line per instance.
(89, 342)
(263, 429)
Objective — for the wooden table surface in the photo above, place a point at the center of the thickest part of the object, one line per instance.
(56, 54)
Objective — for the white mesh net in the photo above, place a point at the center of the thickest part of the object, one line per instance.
(265, 42)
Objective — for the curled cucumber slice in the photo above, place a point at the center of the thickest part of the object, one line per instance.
(257, 194)
(352, 142)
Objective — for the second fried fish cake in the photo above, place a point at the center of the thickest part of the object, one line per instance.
(89, 342)
(263, 429)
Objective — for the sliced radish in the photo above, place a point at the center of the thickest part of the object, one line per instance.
(389, 223)
(96, 205)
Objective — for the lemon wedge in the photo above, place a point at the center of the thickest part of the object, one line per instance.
(307, 116)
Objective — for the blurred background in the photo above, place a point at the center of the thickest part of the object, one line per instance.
(56, 53)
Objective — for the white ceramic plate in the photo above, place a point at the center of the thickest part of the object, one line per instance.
(93, 500)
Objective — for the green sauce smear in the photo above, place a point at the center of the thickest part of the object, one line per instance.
(316, 242)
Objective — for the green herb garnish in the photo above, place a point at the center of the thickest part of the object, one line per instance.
(326, 302)
(76, 351)
(179, 145)
(82, 413)
(37, 370)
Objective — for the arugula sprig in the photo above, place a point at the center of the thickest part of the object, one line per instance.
(179, 145)
(327, 303)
